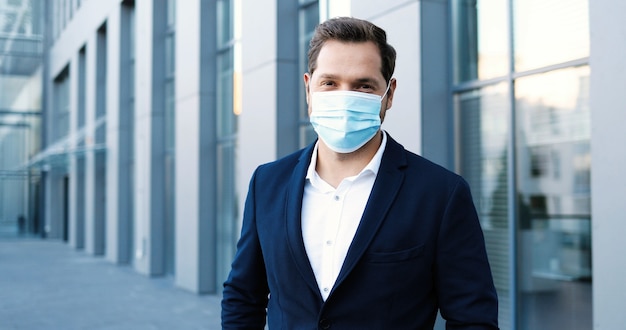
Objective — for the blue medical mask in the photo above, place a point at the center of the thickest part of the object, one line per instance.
(345, 120)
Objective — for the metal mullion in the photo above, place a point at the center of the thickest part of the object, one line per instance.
(227, 137)
(511, 177)
(307, 3)
(226, 47)
(8, 112)
(553, 67)
(476, 84)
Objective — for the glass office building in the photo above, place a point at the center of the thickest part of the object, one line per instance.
(21, 56)
(156, 113)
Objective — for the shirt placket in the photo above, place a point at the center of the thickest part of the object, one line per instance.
(331, 235)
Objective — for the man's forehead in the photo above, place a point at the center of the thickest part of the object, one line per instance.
(349, 60)
(334, 46)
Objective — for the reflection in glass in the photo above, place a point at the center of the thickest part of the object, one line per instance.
(61, 110)
(483, 147)
(170, 135)
(480, 38)
(226, 125)
(309, 18)
(553, 183)
(20, 118)
(127, 116)
(547, 32)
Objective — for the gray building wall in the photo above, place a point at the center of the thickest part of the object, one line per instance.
(149, 174)
(259, 60)
(195, 150)
(608, 182)
(116, 231)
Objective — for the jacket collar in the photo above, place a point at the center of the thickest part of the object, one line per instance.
(384, 191)
(293, 218)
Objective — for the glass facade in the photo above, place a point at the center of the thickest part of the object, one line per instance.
(554, 199)
(521, 98)
(127, 120)
(80, 160)
(308, 20)
(61, 108)
(481, 39)
(170, 133)
(227, 108)
(547, 32)
(483, 153)
(21, 40)
(99, 148)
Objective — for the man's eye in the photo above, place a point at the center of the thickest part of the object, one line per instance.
(327, 83)
(365, 87)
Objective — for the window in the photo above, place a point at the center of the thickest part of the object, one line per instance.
(309, 18)
(480, 39)
(523, 136)
(61, 111)
(547, 32)
(483, 151)
(170, 133)
(126, 198)
(227, 107)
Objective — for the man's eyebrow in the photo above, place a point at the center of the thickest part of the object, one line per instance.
(362, 80)
(328, 76)
(366, 80)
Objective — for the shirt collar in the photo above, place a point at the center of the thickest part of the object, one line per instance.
(373, 166)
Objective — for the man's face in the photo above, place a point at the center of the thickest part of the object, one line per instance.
(349, 66)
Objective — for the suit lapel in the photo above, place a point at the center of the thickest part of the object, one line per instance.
(384, 192)
(293, 216)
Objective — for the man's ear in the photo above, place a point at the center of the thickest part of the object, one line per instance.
(390, 93)
(307, 80)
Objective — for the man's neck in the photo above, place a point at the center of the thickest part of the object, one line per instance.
(333, 167)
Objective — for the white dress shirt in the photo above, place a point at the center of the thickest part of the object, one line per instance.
(330, 217)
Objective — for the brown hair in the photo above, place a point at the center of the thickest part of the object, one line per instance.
(348, 29)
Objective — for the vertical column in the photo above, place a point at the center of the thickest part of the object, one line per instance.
(54, 200)
(608, 182)
(194, 251)
(46, 115)
(79, 177)
(208, 146)
(437, 119)
(257, 122)
(100, 140)
(75, 229)
(90, 121)
(149, 138)
(95, 127)
(288, 77)
(116, 231)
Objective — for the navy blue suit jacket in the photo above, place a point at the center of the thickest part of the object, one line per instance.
(418, 248)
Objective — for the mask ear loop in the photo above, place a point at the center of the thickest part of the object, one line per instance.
(386, 90)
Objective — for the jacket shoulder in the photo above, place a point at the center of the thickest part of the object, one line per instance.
(283, 169)
(286, 162)
(420, 164)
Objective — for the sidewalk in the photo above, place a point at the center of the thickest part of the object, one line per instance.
(45, 284)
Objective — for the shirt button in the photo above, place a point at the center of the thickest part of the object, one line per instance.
(329, 242)
(336, 197)
(325, 289)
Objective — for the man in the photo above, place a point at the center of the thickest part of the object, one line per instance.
(355, 232)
